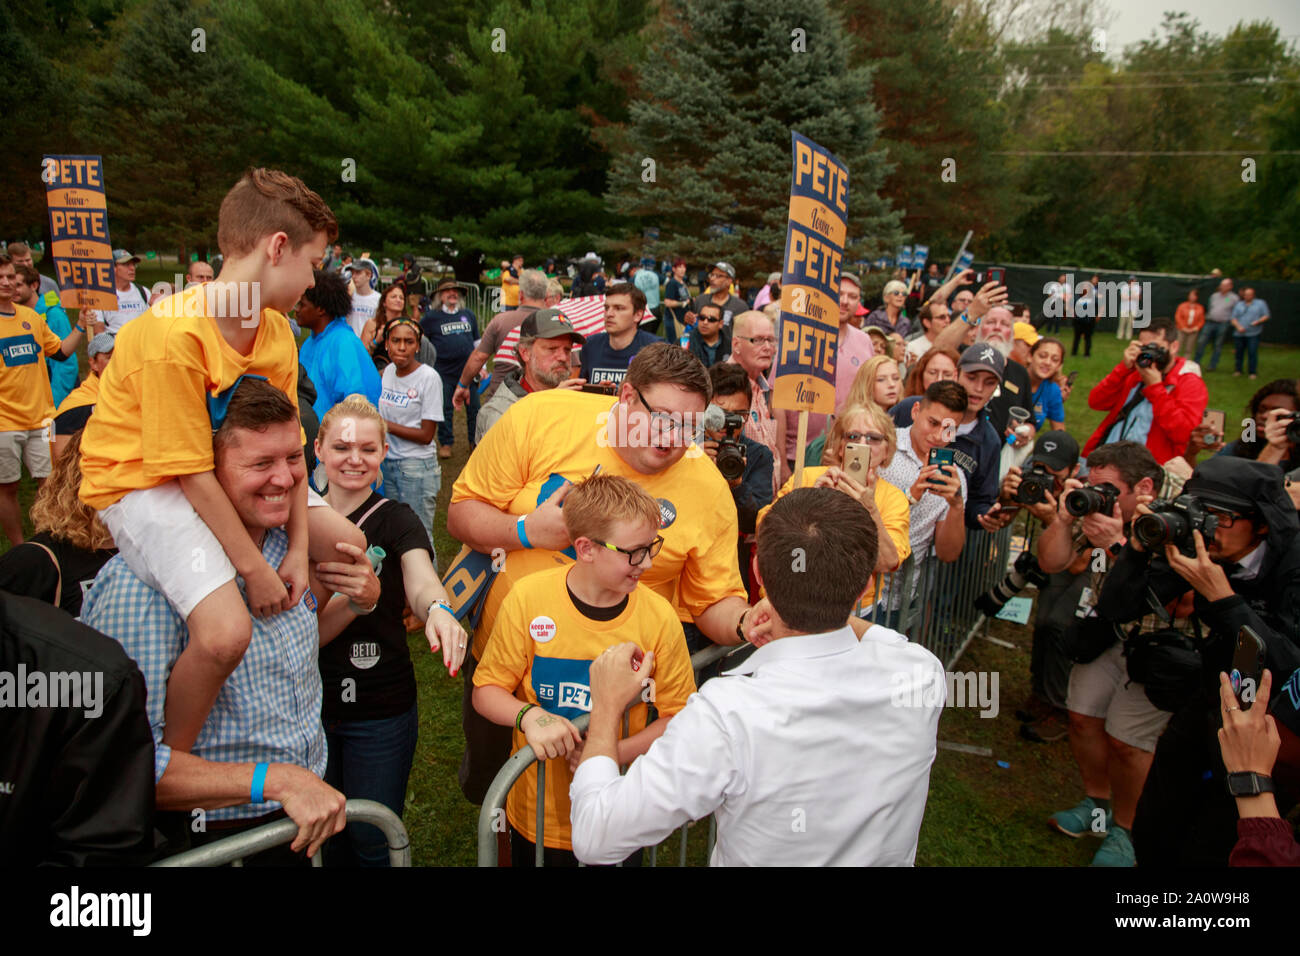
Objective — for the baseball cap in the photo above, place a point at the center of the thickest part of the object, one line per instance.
(103, 342)
(726, 267)
(1026, 333)
(549, 324)
(367, 263)
(121, 257)
(981, 355)
(1056, 449)
(851, 277)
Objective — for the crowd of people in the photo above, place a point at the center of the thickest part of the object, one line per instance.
(235, 517)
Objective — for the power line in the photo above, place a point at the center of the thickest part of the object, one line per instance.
(1150, 152)
(1085, 43)
(1260, 84)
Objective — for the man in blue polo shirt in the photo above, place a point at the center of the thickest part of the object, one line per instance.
(977, 446)
(336, 361)
(1248, 318)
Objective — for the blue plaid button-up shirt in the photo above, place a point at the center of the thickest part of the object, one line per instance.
(269, 707)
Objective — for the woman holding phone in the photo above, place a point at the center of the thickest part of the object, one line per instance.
(861, 441)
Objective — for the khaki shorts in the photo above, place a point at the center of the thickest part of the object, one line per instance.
(1101, 688)
(29, 447)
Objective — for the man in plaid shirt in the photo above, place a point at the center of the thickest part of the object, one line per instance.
(261, 752)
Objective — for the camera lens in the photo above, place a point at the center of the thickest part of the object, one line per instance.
(1156, 530)
(1083, 501)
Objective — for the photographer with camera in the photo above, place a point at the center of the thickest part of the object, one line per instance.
(745, 463)
(1231, 537)
(1078, 657)
(1153, 396)
(1038, 486)
(1273, 435)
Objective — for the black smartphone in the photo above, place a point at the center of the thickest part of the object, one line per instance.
(1247, 666)
(940, 457)
(604, 389)
(997, 274)
(1069, 379)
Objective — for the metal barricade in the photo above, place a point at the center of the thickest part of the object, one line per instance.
(936, 599)
(234, 849)
(493, 809)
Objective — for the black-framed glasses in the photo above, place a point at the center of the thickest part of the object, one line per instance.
(636, 556)
(670, 423)
(1226, 518)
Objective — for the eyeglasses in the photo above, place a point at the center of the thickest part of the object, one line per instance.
(760, 341)
(710, 318)
(636, 555)
(871, 438)
(1226, 518)
(670, 423)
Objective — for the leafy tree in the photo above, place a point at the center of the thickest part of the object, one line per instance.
(706, 154)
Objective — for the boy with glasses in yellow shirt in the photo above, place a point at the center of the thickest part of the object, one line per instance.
(553, 624)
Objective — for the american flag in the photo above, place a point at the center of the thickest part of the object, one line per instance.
(587, 315)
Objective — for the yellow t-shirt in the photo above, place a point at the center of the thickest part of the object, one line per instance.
(151, 422)
(894, 512)
(25, 396)
(550, 436)
(541, 651)
(87, 393)
(509, 290)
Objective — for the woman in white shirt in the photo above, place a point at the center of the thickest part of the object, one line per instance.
(410, 402)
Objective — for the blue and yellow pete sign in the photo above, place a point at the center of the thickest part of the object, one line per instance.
(78, 208)
(810, 285)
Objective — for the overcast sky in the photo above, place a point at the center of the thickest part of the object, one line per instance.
(1138, 19)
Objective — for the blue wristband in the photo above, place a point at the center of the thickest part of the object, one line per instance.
(519, 529)
(259, 781)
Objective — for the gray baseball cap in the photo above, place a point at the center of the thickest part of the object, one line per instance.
(121, 257)
(103, 342)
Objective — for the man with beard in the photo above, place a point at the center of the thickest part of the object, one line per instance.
(546, 341)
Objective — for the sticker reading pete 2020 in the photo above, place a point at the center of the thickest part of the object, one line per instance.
(542, 629)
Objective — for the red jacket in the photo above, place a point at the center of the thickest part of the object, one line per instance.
(1178, 405)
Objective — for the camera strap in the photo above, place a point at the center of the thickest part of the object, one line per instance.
(1127, 410)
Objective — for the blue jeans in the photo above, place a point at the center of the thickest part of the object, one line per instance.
(447, 427)
(369, 760)
(1214, 332)
(415, 482)
(1244, 344)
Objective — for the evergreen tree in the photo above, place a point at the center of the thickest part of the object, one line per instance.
(706, 155)
(167, 118)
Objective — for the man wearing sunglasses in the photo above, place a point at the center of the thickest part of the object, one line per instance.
(1247, 575)
(710, 340)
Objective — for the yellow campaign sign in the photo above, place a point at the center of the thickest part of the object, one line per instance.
(79, 242)
(814, 253)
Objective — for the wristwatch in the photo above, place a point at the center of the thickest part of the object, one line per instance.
(1249, 784)
(1116, 549)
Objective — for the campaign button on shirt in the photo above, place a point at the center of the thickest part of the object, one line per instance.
(542, 629)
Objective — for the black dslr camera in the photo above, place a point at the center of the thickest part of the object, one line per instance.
(731, 451)
(1024, 571)
(1152, 355)
(1095, 499)
(1035, 486)
(1293, 427)
(1172, 522)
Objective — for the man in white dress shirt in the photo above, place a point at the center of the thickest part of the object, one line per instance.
(816, 751)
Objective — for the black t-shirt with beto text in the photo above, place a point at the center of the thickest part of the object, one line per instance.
(372, 650)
